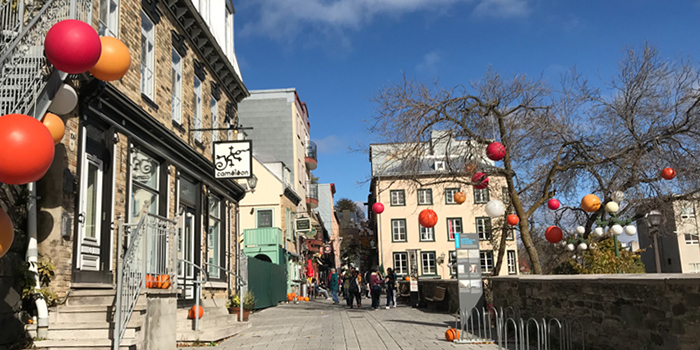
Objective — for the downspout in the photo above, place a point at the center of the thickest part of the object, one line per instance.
(42, 310)
(238, 262)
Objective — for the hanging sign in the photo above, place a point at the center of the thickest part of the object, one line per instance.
(233, 159)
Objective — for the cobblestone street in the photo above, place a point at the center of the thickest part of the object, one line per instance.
(322, 325)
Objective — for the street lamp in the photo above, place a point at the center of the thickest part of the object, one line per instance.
(617, 226)
(252, 183)
(653, 220)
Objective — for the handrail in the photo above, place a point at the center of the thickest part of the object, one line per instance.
(239, 279)
(198, 292)
(206, 274)
(24, 32)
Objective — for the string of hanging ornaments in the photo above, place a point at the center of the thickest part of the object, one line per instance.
(27, 145)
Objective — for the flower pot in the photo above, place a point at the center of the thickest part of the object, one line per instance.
(236, 311)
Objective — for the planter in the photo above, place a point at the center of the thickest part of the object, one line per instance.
(236, 311)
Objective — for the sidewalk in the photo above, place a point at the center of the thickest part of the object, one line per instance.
(322, 325)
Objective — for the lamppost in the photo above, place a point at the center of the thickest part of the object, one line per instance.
(616, 225)
(653, 220)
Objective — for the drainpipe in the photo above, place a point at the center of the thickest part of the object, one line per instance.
(42, 328)
(238, 262)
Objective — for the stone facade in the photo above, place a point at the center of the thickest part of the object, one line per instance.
(646, 311)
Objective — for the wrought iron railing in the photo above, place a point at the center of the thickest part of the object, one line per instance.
(11, 22)
(312, 192)
(311, 150)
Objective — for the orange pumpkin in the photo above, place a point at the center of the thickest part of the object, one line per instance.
(668, 174)
(150, 281)
(163, 282)
(191, 314)
(427, 218)
(460, 197)
(306, 298)
(452, 334)
(590, 203)
(289, 297)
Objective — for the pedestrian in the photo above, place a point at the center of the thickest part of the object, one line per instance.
(347, 278)
(375, 282)
(390, 288)
(318, 289)
(367, 291)
(354, 288)
(333, 286)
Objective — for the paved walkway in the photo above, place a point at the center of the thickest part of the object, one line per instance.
(322, 325)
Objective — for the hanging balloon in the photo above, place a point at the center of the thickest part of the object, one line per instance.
(26, 149)
(7, 232)
(427, 218)
(114, 61)
(668, 174)
(553, 234)
(460, 197)
(72, 46)
(55, 125)
(512, 219)
(64, 101)
(470, 169)
(553, 204)
(378, 208)
(481, 181)
(611, 207)
(590, 203)
(495, 208)
(495, 151)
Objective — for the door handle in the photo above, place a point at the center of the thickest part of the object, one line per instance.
(81, 219)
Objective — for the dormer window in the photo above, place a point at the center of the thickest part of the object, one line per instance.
(439, 165)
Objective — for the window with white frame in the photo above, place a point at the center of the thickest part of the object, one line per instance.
(688, 211)
(691, 239)
(453, 262)
(454, 225)
(439, 165)
(398, 230)
(694, 268)
(176, 88)
(450, 195)
(265, 218)
(428, 263)
(481, 196)
(511, 235)
(505, 195)
(483, 228)
(145, 184)
(425, 196)
(288, 218)
(214, 241)
(398, 197)
(426, 233)
(197, 119)
(214, 124)
(147, 55)
(229, 32)
(401, 263)
(512, 266)
(109, 18)
(486, 258)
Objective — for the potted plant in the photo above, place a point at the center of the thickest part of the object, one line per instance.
(234, 305)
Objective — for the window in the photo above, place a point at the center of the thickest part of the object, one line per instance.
(505, 195)
(398, 197)
(483, 228)
(214, 114)
(512, 266)
(486, 261)
(176, 88)
(265, 218)
(288, 223)
(214, 242)
(511, 235)
(197, 123)
(450, 195)
(109, 18)
(398, 230)
(688, 211)
(694, 268)
(428, 260)
(426, 233)
(400, 263)
(691, 239)
(439, 165)
(481, 196)
(454, 225)
(145, 188)
(425, 197)
(229, 32)
(147, 55)
(453, 263)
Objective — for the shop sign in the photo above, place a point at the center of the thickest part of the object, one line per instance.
(233, 159)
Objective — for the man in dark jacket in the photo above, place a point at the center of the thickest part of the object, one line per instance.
(333, 286)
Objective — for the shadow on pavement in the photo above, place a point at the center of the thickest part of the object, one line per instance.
(434, 324)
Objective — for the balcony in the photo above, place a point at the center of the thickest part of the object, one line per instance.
(312, 196)
(311, 158)
(264, 243)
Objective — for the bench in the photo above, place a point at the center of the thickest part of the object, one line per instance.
(439, 295)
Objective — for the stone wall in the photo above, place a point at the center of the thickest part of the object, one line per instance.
(644, 311)
(426, 288)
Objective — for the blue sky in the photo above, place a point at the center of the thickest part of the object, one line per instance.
(338, 53)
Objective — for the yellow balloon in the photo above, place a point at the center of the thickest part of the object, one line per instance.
(7, 232)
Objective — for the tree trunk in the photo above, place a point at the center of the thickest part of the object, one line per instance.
(502, 245)
(531, 250)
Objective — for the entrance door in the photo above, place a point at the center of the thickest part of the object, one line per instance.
(90, 214)
(186, 249)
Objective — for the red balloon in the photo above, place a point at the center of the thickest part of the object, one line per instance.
(72, 46)
(553, 204)
(668, 173)
(378, 208)
(496, 151)
(481, 180)
(553, 234)
(512, 219)
(26, 149)
(427, 218)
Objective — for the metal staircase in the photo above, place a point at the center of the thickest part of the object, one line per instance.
(28, 82)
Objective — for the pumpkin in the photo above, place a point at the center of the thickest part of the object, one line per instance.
(191, 314)
(452, 334)
(513, 219)
(590, 203)
(470, 169)
(150, 281)
(496, 151)
(306, 299)
(427, 218)
(289, 297)
(460, 197)
(163, 282)
(480, 181)
(668, 174)
(553, 234)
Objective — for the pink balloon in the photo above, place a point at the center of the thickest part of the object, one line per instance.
(378, 208)
(496, 151)
(553, 204)
(72, 46)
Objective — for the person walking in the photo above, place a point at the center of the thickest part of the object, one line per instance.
(355, 288)
(333, 286)
(347, 281)
(390, 288)
(375, 285)
(367, 289)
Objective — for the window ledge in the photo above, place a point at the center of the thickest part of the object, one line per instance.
(149, 101)
(199, 144)
(216, 285)
(178, 126)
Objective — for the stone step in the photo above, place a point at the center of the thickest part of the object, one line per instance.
(105, 297)
(89, 313)
(212, 334)
(182, 313)
(90, 344)
(207, 322)
(89, 330)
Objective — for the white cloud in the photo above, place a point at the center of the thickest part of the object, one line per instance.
(503, 8)
(430, 62)
(331, 144)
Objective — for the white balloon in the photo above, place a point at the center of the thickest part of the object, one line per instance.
(599, 232)
(582, 246)
(630, 230)
(617, 230)
(618, 196)
(570, 247)
(612, 207)
(65, 100)
(580, 230)
(495, 208)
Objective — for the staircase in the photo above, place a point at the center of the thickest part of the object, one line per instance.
(87, 322)
(215, 324)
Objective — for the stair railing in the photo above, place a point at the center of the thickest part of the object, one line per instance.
(198, 291)
(11, 22)
(239, 283)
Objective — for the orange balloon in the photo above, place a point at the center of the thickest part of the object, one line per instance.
(590, 203)
(55, 125)
(460, 197)
(114, 61)
(7, 232)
